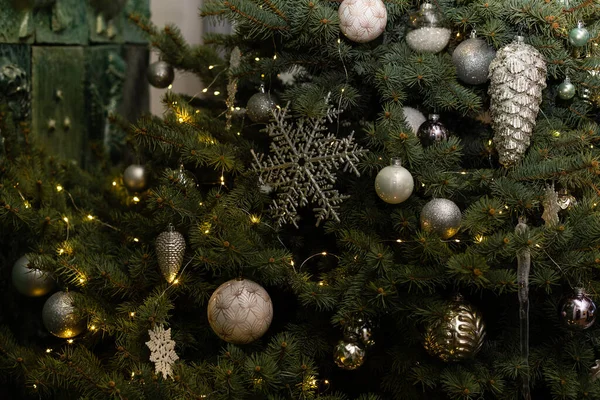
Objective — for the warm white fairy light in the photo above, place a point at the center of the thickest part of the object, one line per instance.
(48, 350)
(90, 217)
(70, 341)
(211, 66)
(59, 188)
(136, 199)
(66, 219)
(114, 183)
(132, 314)
(136, 240)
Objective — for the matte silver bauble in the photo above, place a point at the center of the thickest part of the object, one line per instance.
(579, 36)
(260, 107)
(578, 311)
(472, 59)
(240, 311)
(394, 183)
(29, 280)
(432, 131)
(170, 248)
(349, 355)
(414, 118)
(429, 35)
(59, 316)
(441, 216)
(160, 74)
(134, 177)
(458, 334)
(566, 90)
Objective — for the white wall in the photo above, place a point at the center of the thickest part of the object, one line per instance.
(184, 14)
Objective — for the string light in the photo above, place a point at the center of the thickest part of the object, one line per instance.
(479, 238)
(136, 199)
(399, 240)
(257, 59)
(176, 282)
(34, 386)
(114, 183)
(70, 341)
(82, 279)
(66, 219)
(27, 204)
(204, 90)
(59, 188)
(61, 251)
(211, 66)
(136, 240)
(324, 253)
(48, 350)
(222, 180)
(169, 87)
(132, 314)
(255, 219)
(90, 217)
(216, 93)
(92, 327)
(457, 240)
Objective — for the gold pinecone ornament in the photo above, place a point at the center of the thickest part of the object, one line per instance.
(170, 248)
(458, 335)
(518, 76)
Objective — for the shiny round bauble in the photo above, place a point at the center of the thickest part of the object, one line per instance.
(362, 20)
(29, 280)
(160, 74)
(458, 335)
(59, 316)
(134, 177)
(260, 107)
(394, 184)
(566, 200)
(183, 177)
(349, 355)
(566, 90)
(578, 311)
(359, 330)
(579, 36)
(442, 217)
(414, 118)
(432, 131)
(240, 311)
(429, 35)
(472, 59)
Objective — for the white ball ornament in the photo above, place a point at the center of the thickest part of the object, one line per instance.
(240, 311)
(394, 183)
(414, 117)
(362, 20)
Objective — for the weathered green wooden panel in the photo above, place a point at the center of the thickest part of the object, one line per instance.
(136, 91)
(58, 103)
(16, 22)
(15, 79)
(105, 19)
(133, 34)
(65, 22)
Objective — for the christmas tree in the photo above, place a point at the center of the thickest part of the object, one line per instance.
(369, 200)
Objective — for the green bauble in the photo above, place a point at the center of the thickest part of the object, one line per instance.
(566, 90)
(29, 280)
(579, 36)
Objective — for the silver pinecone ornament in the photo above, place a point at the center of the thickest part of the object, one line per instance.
(518, 76)
(170, 247)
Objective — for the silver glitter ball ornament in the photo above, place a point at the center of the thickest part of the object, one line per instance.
(59, 316)
(518, 76)
(578, 312)
(349, 355)
(29, 280)
(160, 74)
(240, 311)
(432, 131)
(442, 217)
(457, 335)
(170, 248)
(566, 90)
(429, 35)
(260, 106)
(134, 177)
(394, 184)
(472, 59)
(579, 36)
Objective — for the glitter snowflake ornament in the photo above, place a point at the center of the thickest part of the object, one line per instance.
(303, 164)
(162, 350)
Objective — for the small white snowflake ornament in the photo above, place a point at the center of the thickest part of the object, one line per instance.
(162, 350)
(362, 20)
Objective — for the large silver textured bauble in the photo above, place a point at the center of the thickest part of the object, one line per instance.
(134, 177)
(240, 311)
(160, 74)
(442, 217)
(349, 355)
(518, 76)
(458, 335)
(170, 248)
(414, 118)
(260, 107)
(432, 131)
(394, 183)
(29, 280)
(59, 316)
(472, 59)
(578, 311)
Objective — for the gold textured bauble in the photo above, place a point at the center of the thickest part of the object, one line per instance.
(458, 335)
(240, 311)
(59, 316)
(349, 355)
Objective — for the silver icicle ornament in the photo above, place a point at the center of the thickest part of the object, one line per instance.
(518, 76)
(170, 247)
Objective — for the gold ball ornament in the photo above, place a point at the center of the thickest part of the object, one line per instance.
(29, 280)
(349, 355)
(458, 335)
(60, 318)
(240, 311)
(135, 177)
